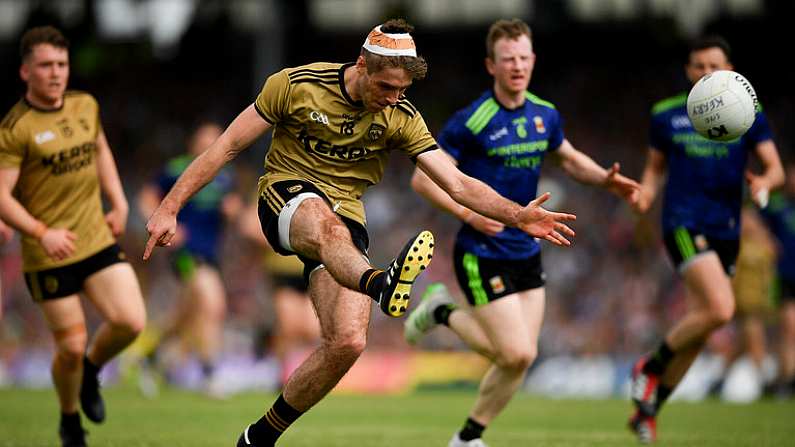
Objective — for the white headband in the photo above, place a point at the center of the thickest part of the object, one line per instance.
(388, 44)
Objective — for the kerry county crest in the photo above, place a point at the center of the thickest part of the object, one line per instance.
(375, 131)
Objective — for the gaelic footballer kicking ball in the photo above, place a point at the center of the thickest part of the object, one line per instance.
(722, 105)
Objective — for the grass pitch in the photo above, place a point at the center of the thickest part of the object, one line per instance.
(182, 419)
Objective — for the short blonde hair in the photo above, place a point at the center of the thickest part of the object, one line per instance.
(511, 29)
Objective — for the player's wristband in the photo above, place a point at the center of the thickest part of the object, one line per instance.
(39, 230)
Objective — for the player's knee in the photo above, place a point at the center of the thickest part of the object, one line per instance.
(130, 325)
(722, 312)
(349, 345)
(517, 360)
(70, 351)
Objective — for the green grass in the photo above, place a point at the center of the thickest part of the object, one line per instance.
(177, 419)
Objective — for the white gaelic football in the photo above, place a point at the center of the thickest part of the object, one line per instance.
(722, 105)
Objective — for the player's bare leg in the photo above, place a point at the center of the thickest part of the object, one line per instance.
(115, 293)
(505, 331)
(709, 289)
(710, 306)
(344, 318)
(66, 322)
(511, 324)
(207, 297)
(786, 376)
(316, 232)
(297, 326)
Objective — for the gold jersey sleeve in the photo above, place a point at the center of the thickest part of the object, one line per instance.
(322, 135)
(58, 184)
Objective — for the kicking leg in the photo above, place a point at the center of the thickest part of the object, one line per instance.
(317, 233)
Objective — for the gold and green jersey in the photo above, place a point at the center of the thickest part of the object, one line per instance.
(55, 151)
(322, 135)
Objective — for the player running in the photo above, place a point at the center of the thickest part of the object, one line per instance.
(333, 128)
(194, 256)
(701, 225)
(54, 162)
(501, 139)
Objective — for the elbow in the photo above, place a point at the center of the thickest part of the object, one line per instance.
(456, 190)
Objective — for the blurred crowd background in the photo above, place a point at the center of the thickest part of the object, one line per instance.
(158, 66)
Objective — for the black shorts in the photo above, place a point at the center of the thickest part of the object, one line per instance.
(272, 202)
(683, 244)
(484, 280)
(67, 280)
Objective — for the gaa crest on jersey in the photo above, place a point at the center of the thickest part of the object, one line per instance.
(294, 189)
(375, 131)
(497, 284)
(65, 128)
(539, 123)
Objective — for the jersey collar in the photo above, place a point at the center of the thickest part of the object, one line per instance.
(342, 85)
(503, 106)
(40, 109)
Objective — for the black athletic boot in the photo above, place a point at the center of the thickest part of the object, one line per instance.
(90, 399)
(70, 431)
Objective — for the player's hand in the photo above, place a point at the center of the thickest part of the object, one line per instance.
(760, 191)
(117, 220)
(543, 224)
(58, 243)
(485, 225)
(639, 201)
(622, 186)
(162, 227)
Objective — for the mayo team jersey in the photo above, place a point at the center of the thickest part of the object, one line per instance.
(55, 151)
(705, 178)
(503, 148)
(322, 135)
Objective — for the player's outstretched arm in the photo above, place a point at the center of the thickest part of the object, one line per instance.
(246, 128)
(653, 176)
(425, 187)
(479, 197)
(583, 169)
